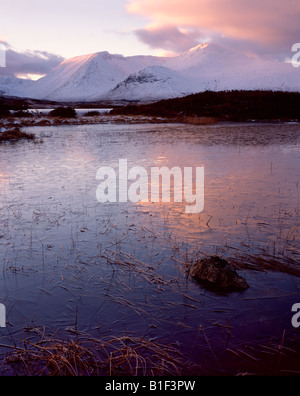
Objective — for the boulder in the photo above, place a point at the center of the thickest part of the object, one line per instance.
(217, 275)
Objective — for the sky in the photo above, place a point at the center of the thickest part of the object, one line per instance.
(38, 35)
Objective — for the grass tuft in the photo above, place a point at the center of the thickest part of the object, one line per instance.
(85, 356)
(15, 135)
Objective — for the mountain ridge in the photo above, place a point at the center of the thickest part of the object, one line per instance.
(104, 76)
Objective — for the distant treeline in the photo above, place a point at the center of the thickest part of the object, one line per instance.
(19, 107)
(224, 106)
(7, 105)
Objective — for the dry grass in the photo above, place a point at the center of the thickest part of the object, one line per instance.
(264, 262)
(241, 260)
(135, 356)
(93, 119)
(198, 120)
(127, 261)
(14, 135)
(85, 356)
(272, 359)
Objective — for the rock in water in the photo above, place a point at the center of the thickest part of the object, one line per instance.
(217, 275)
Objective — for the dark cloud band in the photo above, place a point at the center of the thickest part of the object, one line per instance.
(28, 62)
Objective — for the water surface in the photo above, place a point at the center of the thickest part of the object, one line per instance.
(122, 266)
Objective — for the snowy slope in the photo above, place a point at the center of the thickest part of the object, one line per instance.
(205, 56)
(206, 67)
(151, 83)
(103, 76)
(217, 68)
(84, 76)
(12, 86)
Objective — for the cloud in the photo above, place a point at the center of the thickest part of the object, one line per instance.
(272, 25)
(170, 38)
(28, 62)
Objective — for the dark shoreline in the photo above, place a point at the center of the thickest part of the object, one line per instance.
(234, 106)
(199, 109)
(44, 352)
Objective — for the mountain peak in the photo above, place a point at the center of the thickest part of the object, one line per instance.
(212, 48)
(199, 47)
(207, 66)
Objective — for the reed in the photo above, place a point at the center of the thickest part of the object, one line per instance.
(14, 135)
(86, 356)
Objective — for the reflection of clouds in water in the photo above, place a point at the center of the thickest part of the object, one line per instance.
(244, 166)
(55, 229)
(4, 178)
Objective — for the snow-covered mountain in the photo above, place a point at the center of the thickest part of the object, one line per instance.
(85, 76)
(103, 76)
(206, 67)
(151, 83)
(12, 86)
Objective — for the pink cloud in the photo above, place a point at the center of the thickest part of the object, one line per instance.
(169, 37)
(269, 23)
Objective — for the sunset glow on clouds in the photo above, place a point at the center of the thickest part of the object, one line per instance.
(170, 38)
(39, 34)
(264, 25)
